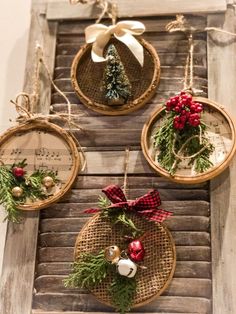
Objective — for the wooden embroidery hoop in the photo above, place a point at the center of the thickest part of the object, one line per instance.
(47, 127)
(98, 233)
(191, 178)
(86, 77)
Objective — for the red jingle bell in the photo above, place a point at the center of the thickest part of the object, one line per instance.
(18, 172)
(136, 251)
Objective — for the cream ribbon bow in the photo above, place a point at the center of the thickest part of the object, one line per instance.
(99, 35)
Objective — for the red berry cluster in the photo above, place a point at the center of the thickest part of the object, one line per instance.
(187, 110)
(18, 172)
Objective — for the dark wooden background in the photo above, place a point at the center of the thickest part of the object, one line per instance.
(105, 139)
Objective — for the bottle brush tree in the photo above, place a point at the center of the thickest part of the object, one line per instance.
(116, 84)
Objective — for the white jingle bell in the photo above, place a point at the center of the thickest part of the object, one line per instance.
(126, 268)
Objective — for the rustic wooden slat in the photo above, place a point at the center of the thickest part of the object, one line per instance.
(134, 182)
(152, 24)
(67, 239)
(82, 110)
(62, 10)
(222, 64)
(186, 208)
(87, 303)
(81, 196)
(160, 45)
(176, 71)
(184, 253)
(16, 283)
(183, 269)
(189, 287)
(167, 58)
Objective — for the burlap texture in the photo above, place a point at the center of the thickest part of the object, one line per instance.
(160, 257)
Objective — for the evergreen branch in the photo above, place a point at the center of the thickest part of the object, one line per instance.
(31, 186)
(7, 181)
(122, 292)
(88, 271)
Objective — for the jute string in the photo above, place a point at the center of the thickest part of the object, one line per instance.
(24, 102)
(107, 8)
(126, 165)
(180, 24)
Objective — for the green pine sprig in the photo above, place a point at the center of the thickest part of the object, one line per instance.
(88, 271)
(167, 138)
(117, 215)
(7, 181)
(30, 184)
(122, 292)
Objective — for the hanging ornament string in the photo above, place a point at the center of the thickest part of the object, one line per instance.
(188, 76)
(25, 103)
(181, 25)
(126, 165)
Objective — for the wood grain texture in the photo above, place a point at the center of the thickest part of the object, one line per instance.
(62, 9)
(104, 140)
(16, 283)
(222, 64)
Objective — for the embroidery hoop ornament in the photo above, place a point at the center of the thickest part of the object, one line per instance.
(225, 151)
(86, 76)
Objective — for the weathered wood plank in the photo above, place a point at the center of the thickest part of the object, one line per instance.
(189, 287)
(87, 303)
(62, 9)
(16, 284)
(67, 239)
(184, 253)
(152, 24)
(91, 196)
(176, 71)
(184, 269)
(166, 59)
(186, 208)
(82, 110)
(222, 64)
(40, 312)
(160, 45)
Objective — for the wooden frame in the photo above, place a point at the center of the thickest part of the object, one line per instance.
(201, 177)
(16, 284)
(128, 107)
(67, 138)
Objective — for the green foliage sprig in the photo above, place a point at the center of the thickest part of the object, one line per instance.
(167, 138)
(7, 181)
(182, 136)
(88, 271)
(122, 292)
(31, 185)
(117, 215)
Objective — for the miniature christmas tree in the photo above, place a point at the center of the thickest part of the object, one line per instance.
(115, 83)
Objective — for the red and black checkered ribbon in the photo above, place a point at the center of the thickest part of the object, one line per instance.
(145, 206)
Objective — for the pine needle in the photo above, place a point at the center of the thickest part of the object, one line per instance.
(122, 292)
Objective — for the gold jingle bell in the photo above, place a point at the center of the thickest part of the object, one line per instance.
(17, 191)
(112, 254)
(48, 182)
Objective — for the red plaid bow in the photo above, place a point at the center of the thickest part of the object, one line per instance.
(146, 205)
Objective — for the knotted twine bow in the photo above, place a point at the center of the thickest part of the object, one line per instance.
(100, 34)
(145, 206)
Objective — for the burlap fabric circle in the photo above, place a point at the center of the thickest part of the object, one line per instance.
(87, 78)
(160, 257)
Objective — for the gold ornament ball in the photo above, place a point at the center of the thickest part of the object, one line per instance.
(48, 182)
(112, 254)
(17, 191)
